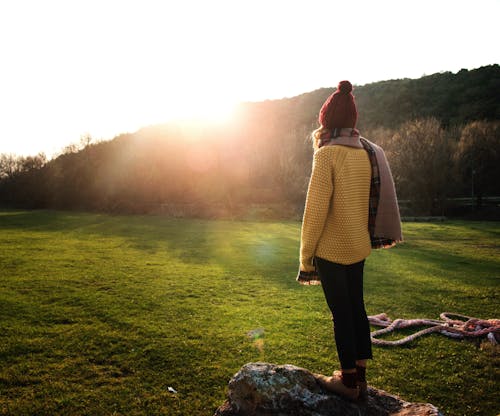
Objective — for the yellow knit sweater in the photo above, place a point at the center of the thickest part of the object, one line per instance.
(335, 223)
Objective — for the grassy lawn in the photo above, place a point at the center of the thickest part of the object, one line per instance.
(100, 314)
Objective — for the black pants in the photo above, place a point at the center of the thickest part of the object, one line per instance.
(343, 288)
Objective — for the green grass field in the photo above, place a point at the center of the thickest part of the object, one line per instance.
(100, 314)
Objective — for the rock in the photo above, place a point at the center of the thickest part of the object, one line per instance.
(263, 389)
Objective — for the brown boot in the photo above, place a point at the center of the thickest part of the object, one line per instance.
(335, 384)
(361, 380)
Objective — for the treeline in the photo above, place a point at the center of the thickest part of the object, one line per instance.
(440, 132)
(185, 170)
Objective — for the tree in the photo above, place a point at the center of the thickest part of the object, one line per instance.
(9, 165)
(478, 158)
(294, 160)
(421, 156)
(21, 182)
(32, 163)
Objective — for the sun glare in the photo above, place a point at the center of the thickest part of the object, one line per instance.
(213, 110)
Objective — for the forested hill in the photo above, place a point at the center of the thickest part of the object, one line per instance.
(454, 99)
(262, 157)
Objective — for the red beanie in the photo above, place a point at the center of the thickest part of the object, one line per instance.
(339, 110)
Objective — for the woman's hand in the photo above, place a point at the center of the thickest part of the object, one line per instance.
(308, 278)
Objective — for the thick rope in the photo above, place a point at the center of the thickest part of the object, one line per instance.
(463, 327)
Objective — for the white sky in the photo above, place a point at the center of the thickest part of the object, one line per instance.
(103, 67)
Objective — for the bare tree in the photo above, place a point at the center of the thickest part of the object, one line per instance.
(421, 155)
(478, 158)
(293, 165)
(9, 165)
(85, 141)
(32, 163)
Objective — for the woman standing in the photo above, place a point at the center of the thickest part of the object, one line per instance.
(351, 206)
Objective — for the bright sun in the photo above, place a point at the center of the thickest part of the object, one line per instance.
(212, 110)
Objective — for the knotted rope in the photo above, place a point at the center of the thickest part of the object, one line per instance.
(463, 327)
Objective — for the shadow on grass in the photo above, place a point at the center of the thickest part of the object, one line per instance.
(446, 266)
(269, 250)
(237, 246)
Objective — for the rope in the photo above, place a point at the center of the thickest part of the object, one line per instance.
(451, 324)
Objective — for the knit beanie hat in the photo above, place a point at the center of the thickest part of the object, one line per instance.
(339, 110)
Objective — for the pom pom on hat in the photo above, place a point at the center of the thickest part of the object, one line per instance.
(339, 110)
(345, 87)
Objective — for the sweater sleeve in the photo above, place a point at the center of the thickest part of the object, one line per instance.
(316, 209)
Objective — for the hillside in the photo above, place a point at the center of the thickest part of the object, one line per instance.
(453, 99)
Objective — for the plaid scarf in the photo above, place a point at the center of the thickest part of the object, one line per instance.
(377, 242)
